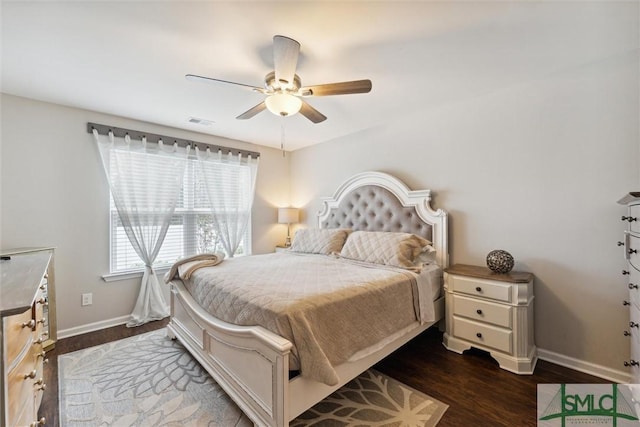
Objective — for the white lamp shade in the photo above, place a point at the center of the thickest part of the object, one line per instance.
(282, 104)
(288, 215)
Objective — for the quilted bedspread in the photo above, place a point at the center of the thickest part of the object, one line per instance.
(328, 308)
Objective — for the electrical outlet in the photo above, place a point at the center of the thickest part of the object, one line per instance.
(87, 299)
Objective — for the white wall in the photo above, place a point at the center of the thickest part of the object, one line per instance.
(535, 169)
(54, 193)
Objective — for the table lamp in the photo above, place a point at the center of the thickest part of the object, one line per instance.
(288, 216)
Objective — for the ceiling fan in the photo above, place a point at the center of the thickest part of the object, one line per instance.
(283, 86)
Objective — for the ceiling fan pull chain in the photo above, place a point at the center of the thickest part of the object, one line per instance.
(282, 135)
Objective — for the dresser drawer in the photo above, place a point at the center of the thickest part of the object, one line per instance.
(633, 280)
(483, 311)
(634, 319)
(41, 328)
(17, 336)
(39, 303)
(634, 257)
(480, 288)
(635, 346)
(21, 389)
(634, 212)
(483, 334)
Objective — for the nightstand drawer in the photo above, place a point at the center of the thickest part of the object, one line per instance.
(486, 335)
(482, 311)
(480, 288)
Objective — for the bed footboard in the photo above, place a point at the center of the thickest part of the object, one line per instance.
(251, 364)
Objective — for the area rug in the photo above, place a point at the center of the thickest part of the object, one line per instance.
(150, 380)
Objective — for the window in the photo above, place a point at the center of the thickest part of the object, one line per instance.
(191, 230)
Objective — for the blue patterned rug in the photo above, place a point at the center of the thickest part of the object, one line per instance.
(150, 380)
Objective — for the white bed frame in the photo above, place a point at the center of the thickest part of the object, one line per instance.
(251, 364)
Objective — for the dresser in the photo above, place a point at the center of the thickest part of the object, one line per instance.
(492, 312)
(631, 245)
(27, 312)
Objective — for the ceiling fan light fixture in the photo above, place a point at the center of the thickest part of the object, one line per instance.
(283, 104)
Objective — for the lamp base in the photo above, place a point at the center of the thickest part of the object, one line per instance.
(287, 242)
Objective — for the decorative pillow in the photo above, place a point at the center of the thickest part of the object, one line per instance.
(382, 247)
(427, 256)
(319, 241)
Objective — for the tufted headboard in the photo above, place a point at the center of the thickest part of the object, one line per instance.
(375, 201)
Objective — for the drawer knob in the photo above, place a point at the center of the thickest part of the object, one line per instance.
(626, 303)
(632, 286)
(629, 218)
(627, 333)
(41, 354)
(43, 387)
(633, 325)
(620, 243)
(478, 289)
(30, 375)
(479, 335)
(40, 422)
(40, 381)
(43, 301)
(43, 286)
(41, 321)
(479, 312)
(30, 324)
(633, 251)
(631, 363)
(39, 340)
(625, 272)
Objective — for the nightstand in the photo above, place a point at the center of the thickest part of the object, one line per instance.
(280, 248)
(492, 312)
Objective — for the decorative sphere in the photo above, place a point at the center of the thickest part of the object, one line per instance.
(500, 261)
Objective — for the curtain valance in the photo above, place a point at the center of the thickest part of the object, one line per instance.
(167, 140)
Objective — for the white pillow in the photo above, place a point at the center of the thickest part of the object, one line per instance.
(387, 248)
(319, 241)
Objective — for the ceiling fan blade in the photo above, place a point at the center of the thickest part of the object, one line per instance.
(311, 113)
(194, 78)
(252, 111)
(285, 59)
(342, 88)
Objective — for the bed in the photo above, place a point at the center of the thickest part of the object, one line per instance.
(253, 363)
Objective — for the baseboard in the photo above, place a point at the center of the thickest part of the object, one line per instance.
(92, 327)
(600, 371)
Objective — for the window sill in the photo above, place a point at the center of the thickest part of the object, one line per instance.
(132, 274)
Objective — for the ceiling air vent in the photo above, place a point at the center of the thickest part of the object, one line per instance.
(201, 122)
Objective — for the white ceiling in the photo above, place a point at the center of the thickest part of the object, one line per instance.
(129, 58)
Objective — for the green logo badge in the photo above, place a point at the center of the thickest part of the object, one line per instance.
(592, 404)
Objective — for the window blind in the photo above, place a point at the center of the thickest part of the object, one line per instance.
(191, 230)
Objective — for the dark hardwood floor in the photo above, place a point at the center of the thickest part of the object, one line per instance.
(477, 391)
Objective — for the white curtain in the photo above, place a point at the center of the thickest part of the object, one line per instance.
(146, 181)
(225, 176)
